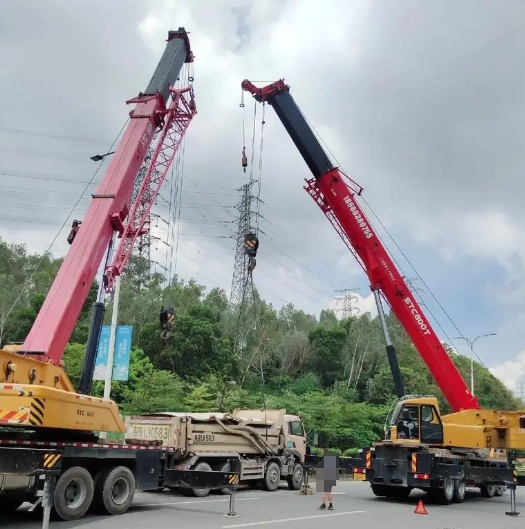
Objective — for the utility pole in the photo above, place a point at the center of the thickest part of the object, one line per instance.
(348, 297)
(471, 345)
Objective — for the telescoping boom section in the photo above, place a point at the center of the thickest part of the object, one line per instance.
(34, 388)
(336, 194)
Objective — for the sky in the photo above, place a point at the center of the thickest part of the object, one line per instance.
(421, 103)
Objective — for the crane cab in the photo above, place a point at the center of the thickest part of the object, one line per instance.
(415, 419)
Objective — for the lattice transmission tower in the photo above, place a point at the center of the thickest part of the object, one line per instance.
(349, 300)
(241, 288)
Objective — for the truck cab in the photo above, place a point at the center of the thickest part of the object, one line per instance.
(415, 419)
(294, 435)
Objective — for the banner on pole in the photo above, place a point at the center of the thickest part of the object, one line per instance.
(121, 357)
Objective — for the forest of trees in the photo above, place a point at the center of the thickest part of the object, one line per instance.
(333, 372)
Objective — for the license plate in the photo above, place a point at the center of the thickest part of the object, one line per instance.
(359, 477)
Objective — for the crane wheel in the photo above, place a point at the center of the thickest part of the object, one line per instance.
(73, 493)
(445, 495)
(200, 493)
(272, 477)
(295, 479)
(487, 490)
(460, 490)
(500, 490)
(114, 490)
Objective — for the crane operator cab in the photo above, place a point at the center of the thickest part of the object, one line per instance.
(415, 419)
(167, 319)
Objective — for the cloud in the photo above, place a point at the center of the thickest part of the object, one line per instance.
(417, 102)
(511, 372)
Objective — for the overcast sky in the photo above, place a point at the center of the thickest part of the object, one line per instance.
(422, 103)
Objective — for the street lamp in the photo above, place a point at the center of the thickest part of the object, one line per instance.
(471, 345)
(100, 157)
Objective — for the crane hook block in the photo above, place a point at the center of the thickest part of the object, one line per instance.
(74, 229)
(251, 244)
(244, 159)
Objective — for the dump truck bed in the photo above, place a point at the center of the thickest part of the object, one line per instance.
(240, 432)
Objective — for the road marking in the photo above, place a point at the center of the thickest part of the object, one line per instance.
(250, 524)
(186, 502)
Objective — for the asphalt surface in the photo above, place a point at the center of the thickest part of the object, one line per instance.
(354, 506)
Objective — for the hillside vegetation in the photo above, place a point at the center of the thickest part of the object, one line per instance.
(334, 373)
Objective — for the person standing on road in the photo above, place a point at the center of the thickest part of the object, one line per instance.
(326, 475)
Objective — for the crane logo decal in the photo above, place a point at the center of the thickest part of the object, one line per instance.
(419, 319)
(358, 217)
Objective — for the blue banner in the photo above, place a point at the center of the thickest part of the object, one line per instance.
(121, 357)
(122, 352)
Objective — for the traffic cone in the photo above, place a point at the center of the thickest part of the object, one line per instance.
(420, 509)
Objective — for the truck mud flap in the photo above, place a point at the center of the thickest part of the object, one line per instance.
(28, 462)
(198, 479)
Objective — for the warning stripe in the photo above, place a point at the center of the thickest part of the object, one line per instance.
(13, 417)
(50, 460)
(17, 442)
(414, 463)
(36, 415)
(233, 479)
(368, 459)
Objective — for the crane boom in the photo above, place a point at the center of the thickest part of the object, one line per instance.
(108, 210)
(336, 194)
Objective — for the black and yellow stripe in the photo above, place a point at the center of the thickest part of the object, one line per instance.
(51, 460)
(36, 415)
(233, 479)
(514, 475)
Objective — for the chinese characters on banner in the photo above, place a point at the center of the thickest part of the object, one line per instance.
(121, 356)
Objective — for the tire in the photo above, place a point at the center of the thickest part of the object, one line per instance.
(225, 467)
(445, 495)
(114, 490)
(460, 490)
(272, 477)
(73, 494)
(295, 479)
(9, 504)
(500, 490)
(200, 493)
(487, 490)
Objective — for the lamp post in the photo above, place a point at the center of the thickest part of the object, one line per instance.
(100, 157)
(471, 345)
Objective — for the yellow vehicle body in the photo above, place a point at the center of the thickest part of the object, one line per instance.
(470, 429)
(40, 395)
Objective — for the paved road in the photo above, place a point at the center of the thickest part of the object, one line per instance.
(355, 506)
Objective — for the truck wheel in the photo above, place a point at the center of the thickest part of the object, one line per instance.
(500, 490)
(460, 490)
(445, 495)
(225, 467)
(487, 490)
(295, 479)
(73, 493)
(114, 490)
(272, 477)
(200, 493)
(9, 504)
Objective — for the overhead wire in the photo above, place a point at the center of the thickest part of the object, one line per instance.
(28, 281)
(334, 159)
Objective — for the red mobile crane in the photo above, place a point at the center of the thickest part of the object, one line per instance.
(392, 468)
(335, 193)
(52, 429)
